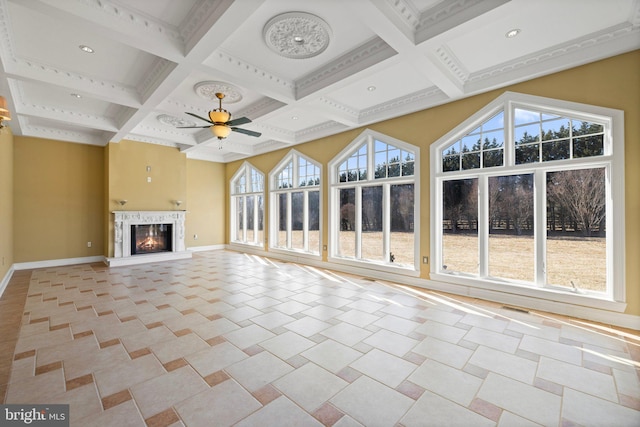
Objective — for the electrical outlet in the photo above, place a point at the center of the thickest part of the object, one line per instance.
(425, 260)
(195, 237)
(88, 244)
(324, 247)
(148, 179)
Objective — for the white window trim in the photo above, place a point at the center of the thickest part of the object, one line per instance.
(612, 160)
(369, 136)
(293, 155)
(246, 170)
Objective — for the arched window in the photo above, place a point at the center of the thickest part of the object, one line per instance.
(374, 204)
(295, 205)
(247, 206)
(522, 195)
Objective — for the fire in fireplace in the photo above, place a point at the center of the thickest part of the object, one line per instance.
(151, 238)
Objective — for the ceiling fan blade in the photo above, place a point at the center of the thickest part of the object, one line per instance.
(240, 121)
(246, 132)
(197, 116)
(193, 127)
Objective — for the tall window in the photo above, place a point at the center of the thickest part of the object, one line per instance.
(374, 203)
(247, 206)
(295, 205)
(522, 194)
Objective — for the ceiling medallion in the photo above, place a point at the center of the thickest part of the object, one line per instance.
(174, 121)
(208, 90)
(297, 35)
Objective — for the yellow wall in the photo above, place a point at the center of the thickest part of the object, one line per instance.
(6, 201)
(609, 83)
(128, 179)
(206, 203)
(58, 199)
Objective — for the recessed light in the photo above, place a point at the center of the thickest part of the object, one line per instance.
(294, 117)
(76, 95)
(371, 88)
(298, 40)
(86, 48)
(512, 33)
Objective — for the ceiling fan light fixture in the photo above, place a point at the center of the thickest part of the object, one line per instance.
(220, 131)
(5, 115)
(219, 115)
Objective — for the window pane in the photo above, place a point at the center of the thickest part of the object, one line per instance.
(471, 143)
(470, 161)
(347, 233)
(527, 154)
(250, 219)
(260, 231)
(297, 220)
(372, 238)
(524, 116)
(494, 123)
(281, 239)
(460, 226)
(556, 150)
(576, 234)
(492, 158)
(401, 240)
(493, 139)
(586, 128)
(527, 134)
(314, 222)
(588, 146)
(240, 219)
(511, 246)
(451, 163)
(555, 129)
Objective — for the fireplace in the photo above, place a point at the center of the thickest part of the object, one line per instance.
(148, 236)
(151, 238)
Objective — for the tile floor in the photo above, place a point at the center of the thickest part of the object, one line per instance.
(232, 339)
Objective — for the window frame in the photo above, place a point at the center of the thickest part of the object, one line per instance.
(245, 171)
(369, 137)
(293, 157)
(612, 161)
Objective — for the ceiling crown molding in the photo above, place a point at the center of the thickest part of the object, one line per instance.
(240, 66)
(405, 104)
(406, 11)
(452, 63)
(365, 55)
(135, 18)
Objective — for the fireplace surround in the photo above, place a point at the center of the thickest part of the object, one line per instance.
(166, 224)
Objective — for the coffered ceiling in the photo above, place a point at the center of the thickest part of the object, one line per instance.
(300, 70)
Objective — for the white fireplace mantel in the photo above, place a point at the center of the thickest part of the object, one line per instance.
(123, 220)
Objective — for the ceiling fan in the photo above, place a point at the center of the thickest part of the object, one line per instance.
(220, 121)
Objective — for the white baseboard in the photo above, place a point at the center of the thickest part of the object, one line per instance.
(206, 248)
(5, 280)
(57, 262)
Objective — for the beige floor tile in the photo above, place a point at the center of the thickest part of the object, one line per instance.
(310, 386)
(521, 399)
(578, 378)
(584, 409)
(280, 412)
(215, 358)
(505, 364)
(223, 405)
(258, 371)
(183, 346)
(127, 374)
(442, 412)
(372, 403)
(346, 333)
(83, 401)
(447, 382)
(125, 414)
(157, 394)
(248, 336)
(331, 355)
(555, 350)
(388, 369)
(90, 361)
(287, 345)
(36, 389)
(147, 338)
